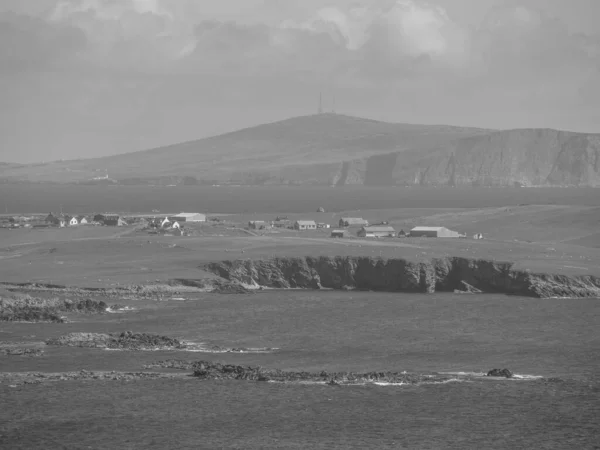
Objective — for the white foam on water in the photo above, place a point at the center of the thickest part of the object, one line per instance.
(120, 310)
(465, 374)
(179, 299)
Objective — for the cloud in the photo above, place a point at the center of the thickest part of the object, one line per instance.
(28, 43)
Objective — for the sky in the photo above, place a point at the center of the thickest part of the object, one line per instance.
(88, 78)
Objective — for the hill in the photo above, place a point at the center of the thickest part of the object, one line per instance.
(337, 149)
(301, 149)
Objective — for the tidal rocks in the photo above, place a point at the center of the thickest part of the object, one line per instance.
(207, 370)
(399, 275)
(126, 340)
(24, 308)
(40, 377)
(30, 352)
(505, 373)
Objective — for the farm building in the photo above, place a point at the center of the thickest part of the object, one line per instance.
(323, 225)
(114, 220)
(305, 225)
(73, 222)
(188, 217)
(433, 232)
(376, 232)
(82, 220)
(353, 222)
(281, 223)
(176, 226)
(401, 233)
(338, 233)
(257, 224)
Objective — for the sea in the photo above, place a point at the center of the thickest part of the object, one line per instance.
(552, 345)
(43, 198)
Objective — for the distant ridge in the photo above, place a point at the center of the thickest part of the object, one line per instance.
(336, 149)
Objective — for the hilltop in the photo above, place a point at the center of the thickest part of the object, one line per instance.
(334, 149)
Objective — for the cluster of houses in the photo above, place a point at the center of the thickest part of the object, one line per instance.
(360, 226)
(65, 220)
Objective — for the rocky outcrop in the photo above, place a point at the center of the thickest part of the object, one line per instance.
(400, 275)
(207, 370)
(126, 340)
(504, 373)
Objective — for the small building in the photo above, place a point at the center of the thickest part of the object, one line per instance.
(338, 233)
(73, 222)
(188, 217)
(281, 223)
(257, 224)
(433, 232)
(377, 232)
(114, 220)
(176, 226)
(353, 222)
(305, 225)
(83, 220)
(98, 218)
(166, 223)
(401, 233)
(323, 225)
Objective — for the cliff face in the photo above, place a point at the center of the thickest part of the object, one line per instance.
(506, 158)
(399, 275)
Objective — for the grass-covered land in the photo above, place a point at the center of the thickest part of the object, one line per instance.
(25, 308)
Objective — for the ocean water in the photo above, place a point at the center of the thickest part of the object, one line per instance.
(465, 335)
(40, 198)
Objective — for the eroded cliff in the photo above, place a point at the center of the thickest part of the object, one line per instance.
(399, 275)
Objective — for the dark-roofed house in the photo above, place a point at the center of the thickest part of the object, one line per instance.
(433, 232)
(305, 225)
(378, 232)
(353, 222)
(114, 220)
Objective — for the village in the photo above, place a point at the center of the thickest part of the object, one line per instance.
(190, 224)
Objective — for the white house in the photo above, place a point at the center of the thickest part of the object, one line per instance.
(176, 226)
(165, 223)
(305, 225)
(73, 222)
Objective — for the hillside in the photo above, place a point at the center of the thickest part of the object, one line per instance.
(336, 149)
(301, 149)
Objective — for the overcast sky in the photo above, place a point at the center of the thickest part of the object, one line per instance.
(84, 78)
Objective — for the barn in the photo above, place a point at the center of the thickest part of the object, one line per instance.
(433, 232)
(338, 233)
(305, 225)
(353, 222)
(376, 232)
(188, 217)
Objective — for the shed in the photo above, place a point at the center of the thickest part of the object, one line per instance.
(353, 222)
(338, 233)
(188, 217)
(376, 232)
(433, 232)
(305, 225)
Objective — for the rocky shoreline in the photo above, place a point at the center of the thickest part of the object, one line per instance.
(25, 308)
(451, 274)
(126, 340)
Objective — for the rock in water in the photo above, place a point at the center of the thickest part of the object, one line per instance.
(500, 373)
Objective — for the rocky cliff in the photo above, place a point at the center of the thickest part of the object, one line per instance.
(398, 275)
(535, 157)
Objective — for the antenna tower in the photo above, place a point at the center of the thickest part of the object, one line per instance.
(320, 110)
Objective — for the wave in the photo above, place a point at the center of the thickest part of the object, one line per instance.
(203, 348)
(515, 376)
